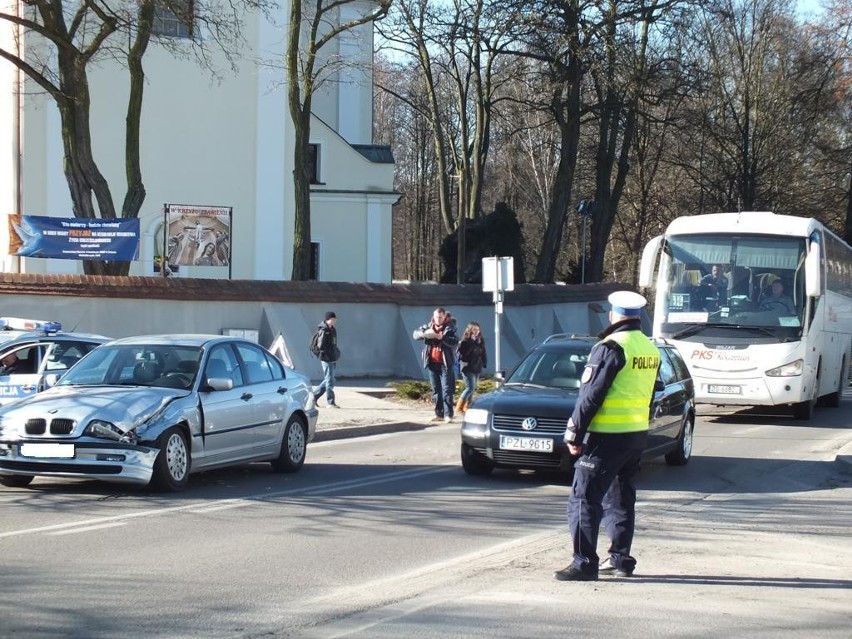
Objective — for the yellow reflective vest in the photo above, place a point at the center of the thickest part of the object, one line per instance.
(626, 406)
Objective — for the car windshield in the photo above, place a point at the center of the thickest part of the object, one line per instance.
(166, 366)
(552, 367)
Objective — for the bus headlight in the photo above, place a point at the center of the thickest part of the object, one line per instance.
(793, 369)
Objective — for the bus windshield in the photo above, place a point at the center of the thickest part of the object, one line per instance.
(714, 283)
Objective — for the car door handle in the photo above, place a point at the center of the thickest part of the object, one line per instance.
(282, 390)
(246, 396)
(29, 387)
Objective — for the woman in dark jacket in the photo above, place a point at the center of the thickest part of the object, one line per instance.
(473, 360)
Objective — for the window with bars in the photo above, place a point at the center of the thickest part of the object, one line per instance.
(174, 18)
(315, 258)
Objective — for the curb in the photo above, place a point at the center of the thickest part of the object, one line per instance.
(844, 457)
(349, 432)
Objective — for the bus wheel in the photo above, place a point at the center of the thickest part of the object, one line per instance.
(833, 399)
(805, 410)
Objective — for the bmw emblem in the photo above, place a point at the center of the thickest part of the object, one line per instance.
(529, 423)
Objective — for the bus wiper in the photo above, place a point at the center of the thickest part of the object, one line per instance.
(692, 330)
(697, 328)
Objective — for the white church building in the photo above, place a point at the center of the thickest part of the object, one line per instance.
(224, 142)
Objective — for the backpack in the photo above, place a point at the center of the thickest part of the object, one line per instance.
(316, 343)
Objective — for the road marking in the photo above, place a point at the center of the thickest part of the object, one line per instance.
(356, 609)
(223, 504)
(88, 528)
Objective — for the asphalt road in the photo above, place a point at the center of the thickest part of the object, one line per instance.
(385, 536)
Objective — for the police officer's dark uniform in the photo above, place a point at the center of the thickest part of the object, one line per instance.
(610, 421)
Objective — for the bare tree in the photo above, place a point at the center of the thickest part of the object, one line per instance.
(312, 26)
(416, 236)
(657, 109)
(621, 79)
(457, 48)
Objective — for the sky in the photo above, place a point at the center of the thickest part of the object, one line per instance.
(809, 6)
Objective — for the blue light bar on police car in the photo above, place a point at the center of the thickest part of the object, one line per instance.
(19, 324)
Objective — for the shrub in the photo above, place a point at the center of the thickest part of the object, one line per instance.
(421, 390)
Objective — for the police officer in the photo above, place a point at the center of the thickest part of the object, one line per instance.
(10, 364)
(608, 430)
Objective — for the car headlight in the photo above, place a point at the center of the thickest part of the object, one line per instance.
(793, 369)
(104, 430)
(476, 416)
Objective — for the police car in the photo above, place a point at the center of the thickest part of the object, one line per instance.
(35, 353)
(521, 424)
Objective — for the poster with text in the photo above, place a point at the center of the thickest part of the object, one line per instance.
(74, 238)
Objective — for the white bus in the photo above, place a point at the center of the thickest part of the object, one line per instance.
(758, 304)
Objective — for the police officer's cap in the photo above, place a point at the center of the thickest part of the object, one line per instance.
(627, 303)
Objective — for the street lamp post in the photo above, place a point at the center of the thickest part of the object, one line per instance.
(585, 209)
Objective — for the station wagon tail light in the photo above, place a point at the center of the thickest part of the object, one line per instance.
(104, 430)
(793, 369)
(476, 416)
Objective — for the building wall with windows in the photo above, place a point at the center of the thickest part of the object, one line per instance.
(224, 141)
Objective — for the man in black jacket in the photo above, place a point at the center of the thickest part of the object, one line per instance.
(329, 353)
(439, 344)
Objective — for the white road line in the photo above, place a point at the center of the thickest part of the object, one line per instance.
(233, 503)
(212, 509)
(88, 528)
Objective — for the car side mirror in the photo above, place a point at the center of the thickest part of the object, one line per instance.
(51, 378)
(499, 377)
(659, 385)
(218, 384)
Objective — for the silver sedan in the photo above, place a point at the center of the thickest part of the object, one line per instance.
(157, 408)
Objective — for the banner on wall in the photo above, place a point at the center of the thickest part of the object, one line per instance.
(74, 238)
(198, 235)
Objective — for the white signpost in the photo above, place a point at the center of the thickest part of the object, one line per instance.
(498, 275)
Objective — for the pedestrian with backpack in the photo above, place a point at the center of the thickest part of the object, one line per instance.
(472, 360)
(324, 346)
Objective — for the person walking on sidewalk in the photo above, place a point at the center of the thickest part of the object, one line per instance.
(608, 430)
(439, 344)
(328, 353)
(472, 360)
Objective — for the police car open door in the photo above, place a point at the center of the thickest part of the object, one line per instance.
(22, 378)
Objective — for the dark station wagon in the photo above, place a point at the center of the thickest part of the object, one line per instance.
(521, 424)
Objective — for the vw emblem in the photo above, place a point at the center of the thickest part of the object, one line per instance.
(529, 423)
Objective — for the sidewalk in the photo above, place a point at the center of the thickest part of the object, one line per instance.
(366, 410)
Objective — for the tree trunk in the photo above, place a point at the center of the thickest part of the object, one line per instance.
(299, 102)
(568, 119)
(135, 195)
(302, 209)
(81, 172)
(608, 194)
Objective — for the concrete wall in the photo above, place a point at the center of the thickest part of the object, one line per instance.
(374, 322)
